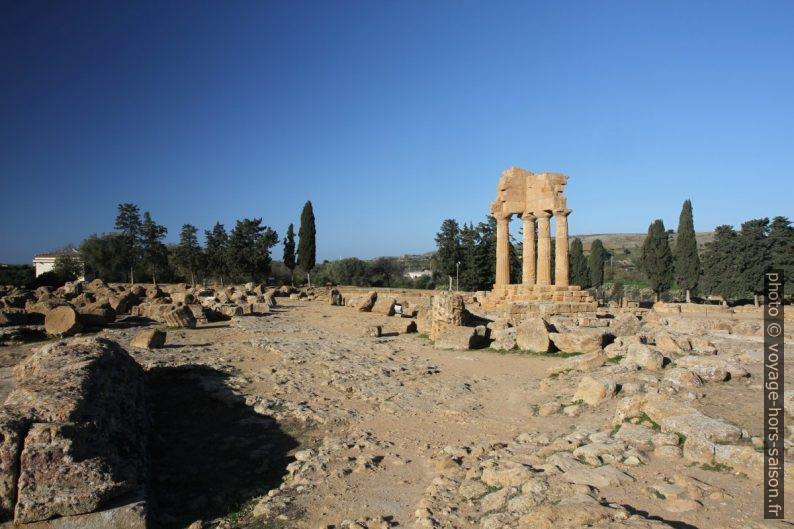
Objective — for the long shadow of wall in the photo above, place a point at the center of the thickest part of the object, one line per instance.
(208, 452)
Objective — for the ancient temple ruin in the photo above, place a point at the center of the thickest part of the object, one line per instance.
(535, 197)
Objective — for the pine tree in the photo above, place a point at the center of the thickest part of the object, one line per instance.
(128, 222)
(721, 272)
(154, 252)
(580, 271)
(307, 249)
(687, 262)
(657, 259)
(249, 249)
(189, 254)
(597, 257)
(448, 252)
(781, 248)
(217, 252)
(289, 252)
(754, 256)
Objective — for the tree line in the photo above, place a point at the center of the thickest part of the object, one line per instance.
(136, 250)
(466, 257)
(731, 266)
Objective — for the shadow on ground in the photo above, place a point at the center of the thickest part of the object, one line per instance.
(209, 453)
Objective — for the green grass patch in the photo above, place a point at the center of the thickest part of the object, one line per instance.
(615, 430)
(660, 495)
(422, 335)
(556, 374)
(716, 467)
(615, 359)
(643, 418)
(681, 438)
(489, 489)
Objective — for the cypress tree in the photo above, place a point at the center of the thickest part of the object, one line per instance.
(721, 272)
(580, 271)
(754, 256)
(657, 259)
(597, 256)
(289, 252)
(687, 262)
(781, 247)
(307, 250)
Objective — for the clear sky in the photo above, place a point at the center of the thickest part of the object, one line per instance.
(390, 116)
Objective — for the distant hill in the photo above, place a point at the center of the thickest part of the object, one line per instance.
(616, 242)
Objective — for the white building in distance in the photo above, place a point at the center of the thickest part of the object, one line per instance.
(45, 262)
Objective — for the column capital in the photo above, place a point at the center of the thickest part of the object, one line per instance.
(562, 212)
(502, 216)
(528, 216)
(543, 214)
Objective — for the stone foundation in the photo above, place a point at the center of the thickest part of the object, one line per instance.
(520, 301)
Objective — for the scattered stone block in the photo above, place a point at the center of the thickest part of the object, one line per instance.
(181, 317)
(533, 335)
(62, 321)
(149, 339)
(593, 391)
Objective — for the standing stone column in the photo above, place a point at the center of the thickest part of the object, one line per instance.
(544, 248)
(561, 247)
(528, 268)
(502, 249)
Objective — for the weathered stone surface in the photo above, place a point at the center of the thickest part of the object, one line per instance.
(99, 313)
(670, 344)
(600, 477)
(533, 335)
(373, 331)
(593, 391)
(12, 435)
(460, 338)
(712, 368)
(62, 321)
(447, 309)
(180, 316)
(636, 435)
(699, 425)
(123, 303)
(643, 356)
(580, 341)
(384, 305)
(504, 339)
(149, 339)
(585, 362)
(510, 476)
(336, 297)
(84, 402)
(366, 302)
(625, 324)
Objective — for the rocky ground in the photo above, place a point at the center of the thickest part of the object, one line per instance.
(299, 418)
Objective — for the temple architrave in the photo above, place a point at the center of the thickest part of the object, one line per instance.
(535, 197)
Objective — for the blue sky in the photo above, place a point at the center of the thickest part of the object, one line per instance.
(389, 116)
